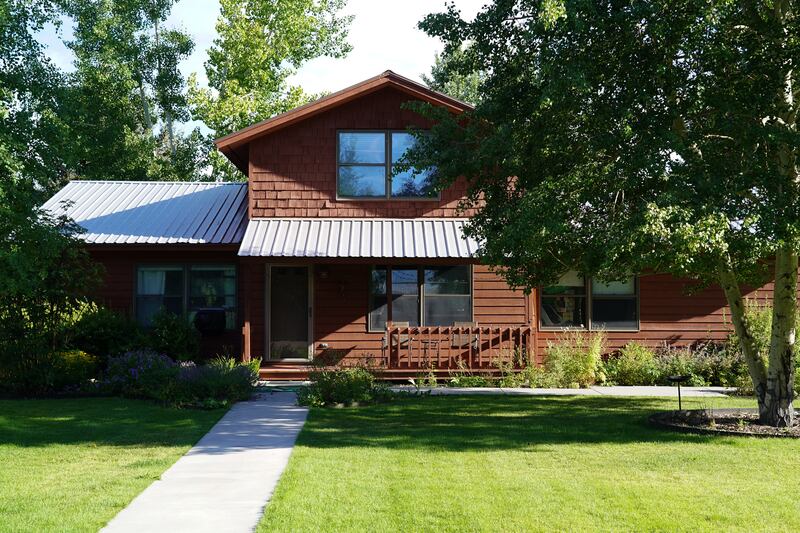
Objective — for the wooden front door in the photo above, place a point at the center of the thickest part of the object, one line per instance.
(289, 312)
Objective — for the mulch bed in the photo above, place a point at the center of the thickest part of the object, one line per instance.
(738, 422)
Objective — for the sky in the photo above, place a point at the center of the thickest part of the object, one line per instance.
(384, 36)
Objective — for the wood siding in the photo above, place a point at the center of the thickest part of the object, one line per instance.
(670, 314)
(293, 171)
(119, 284)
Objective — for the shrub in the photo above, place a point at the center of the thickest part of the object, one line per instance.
(464, 377)
(575, 360)
(217, 383)
(105, 333)
(173, 336)
(73, 368)
(633, 365)
(341, 386)
(142, 374)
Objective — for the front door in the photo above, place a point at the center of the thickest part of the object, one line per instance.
(289, 310)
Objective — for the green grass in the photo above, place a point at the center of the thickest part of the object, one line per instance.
(71, 465)
(481, 463)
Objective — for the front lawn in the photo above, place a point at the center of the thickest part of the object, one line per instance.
(71, 465)
(500, 463)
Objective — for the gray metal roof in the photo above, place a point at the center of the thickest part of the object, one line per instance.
(362, 237)
(149, 212)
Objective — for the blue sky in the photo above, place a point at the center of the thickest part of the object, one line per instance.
(383, 35)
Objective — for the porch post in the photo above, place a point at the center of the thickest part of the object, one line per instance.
(246, 292)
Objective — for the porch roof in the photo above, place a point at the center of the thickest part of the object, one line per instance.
(358, 237)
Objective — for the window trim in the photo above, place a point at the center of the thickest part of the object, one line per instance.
(387, 165)
(420, 293)
(186, 269)
(589, 318)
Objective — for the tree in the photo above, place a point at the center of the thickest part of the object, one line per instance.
(618, 137)
(127, 92)
(30, 92)
(453, 74)
(260, 43)
(45, 277)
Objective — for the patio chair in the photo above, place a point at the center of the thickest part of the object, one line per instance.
(463, 340)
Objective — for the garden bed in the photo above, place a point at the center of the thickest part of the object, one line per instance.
(736, 422)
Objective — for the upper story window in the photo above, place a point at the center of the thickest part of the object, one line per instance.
(366, 167)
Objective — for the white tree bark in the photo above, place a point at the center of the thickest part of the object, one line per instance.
(779, 410)
(755, 365)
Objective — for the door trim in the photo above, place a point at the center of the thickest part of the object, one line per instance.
(268, 310)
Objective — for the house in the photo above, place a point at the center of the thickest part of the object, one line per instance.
(322, 254)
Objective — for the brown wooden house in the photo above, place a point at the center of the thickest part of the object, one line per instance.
(325, 254)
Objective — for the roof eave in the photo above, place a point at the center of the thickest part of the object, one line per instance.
(236, 139)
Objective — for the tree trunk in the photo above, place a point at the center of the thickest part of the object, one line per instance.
(755, 364)
(148, 123)
(780, 376)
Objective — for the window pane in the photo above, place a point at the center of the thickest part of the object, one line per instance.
(563, 311)
(614, 313)
(407, 184)
(405, 296)
(617, 288)
(445, 310)
(213, 286)
(362, 147)
(158, 287)
(378, 314)
(401, 142)
(360, 181)
(570, 283)
(447, 280)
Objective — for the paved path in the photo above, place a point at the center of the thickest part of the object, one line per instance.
(666, 392)
(222, 484)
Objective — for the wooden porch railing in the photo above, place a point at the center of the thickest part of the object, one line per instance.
(451, 347)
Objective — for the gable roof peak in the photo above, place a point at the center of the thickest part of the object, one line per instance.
(233, 145)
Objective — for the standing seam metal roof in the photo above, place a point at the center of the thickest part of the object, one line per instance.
(149, 212)
(363, 237)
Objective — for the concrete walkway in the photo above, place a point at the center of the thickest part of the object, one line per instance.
(664, 392)
(224, 482)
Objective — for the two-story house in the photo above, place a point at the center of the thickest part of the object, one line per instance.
(327, 252)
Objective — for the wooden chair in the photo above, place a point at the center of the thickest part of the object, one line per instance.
(463, 340)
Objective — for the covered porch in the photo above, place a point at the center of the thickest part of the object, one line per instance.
(401, 310)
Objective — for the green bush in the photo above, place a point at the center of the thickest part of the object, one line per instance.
(575, 360)
(142, 374)
(633, 365)
(105, 333)
(173, 336)
(219, 382)
(341, 386)
(73, 368)
(469, 380)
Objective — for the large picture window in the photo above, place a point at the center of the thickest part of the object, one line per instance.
(576, 302)
(185, 289)
(427, 296)
(366, 167)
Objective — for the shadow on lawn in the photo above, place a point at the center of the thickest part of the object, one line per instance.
(469, 423)
(101, 421)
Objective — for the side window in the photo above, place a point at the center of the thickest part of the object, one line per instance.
(564, 305)
(167, 287)
(158, 287)
(213, 286)
(615, 305)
